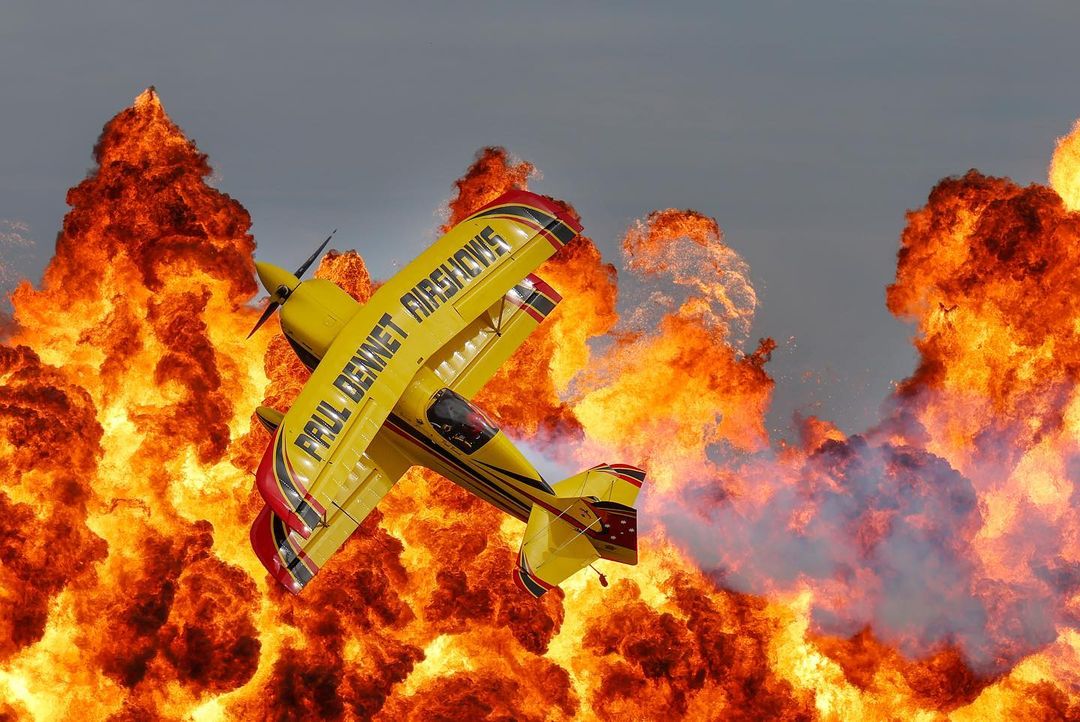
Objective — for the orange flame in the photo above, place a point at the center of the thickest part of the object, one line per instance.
(127, 588)
(1065, 168)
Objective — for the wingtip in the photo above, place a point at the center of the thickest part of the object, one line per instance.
(272, 492)
(267, 550)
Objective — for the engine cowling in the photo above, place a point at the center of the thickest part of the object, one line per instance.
(313, 315)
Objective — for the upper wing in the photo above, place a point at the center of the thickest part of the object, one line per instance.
(294, 560)
(472, 357)
(407, 321)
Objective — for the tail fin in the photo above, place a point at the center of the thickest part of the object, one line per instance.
(610, 490)
(596, 520)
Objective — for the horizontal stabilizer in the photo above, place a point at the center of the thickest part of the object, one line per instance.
(552, 550)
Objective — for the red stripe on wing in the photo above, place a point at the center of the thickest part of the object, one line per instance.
(538, 202)
(266, 549)
(542, 286)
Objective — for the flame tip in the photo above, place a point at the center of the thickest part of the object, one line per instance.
(148, 98)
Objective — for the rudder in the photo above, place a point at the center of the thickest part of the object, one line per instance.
(617, 540)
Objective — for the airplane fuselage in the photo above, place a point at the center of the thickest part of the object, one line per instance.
(494, 470)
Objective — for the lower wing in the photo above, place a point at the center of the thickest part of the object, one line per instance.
(294, 560)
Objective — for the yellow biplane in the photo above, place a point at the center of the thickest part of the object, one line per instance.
(390, 386)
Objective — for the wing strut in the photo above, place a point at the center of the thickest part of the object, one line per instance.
(498, 324)
(549, 525)
(346, 513)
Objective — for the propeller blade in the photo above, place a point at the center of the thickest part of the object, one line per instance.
(267, 313)
(300, 271)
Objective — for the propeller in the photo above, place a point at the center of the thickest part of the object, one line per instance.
(311, 259)
(267, 313)
(277, 297)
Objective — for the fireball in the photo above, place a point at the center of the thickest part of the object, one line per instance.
(926, 568)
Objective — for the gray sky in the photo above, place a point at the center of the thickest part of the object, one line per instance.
(805, 128)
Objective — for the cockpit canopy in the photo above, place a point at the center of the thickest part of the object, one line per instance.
(459, 422)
